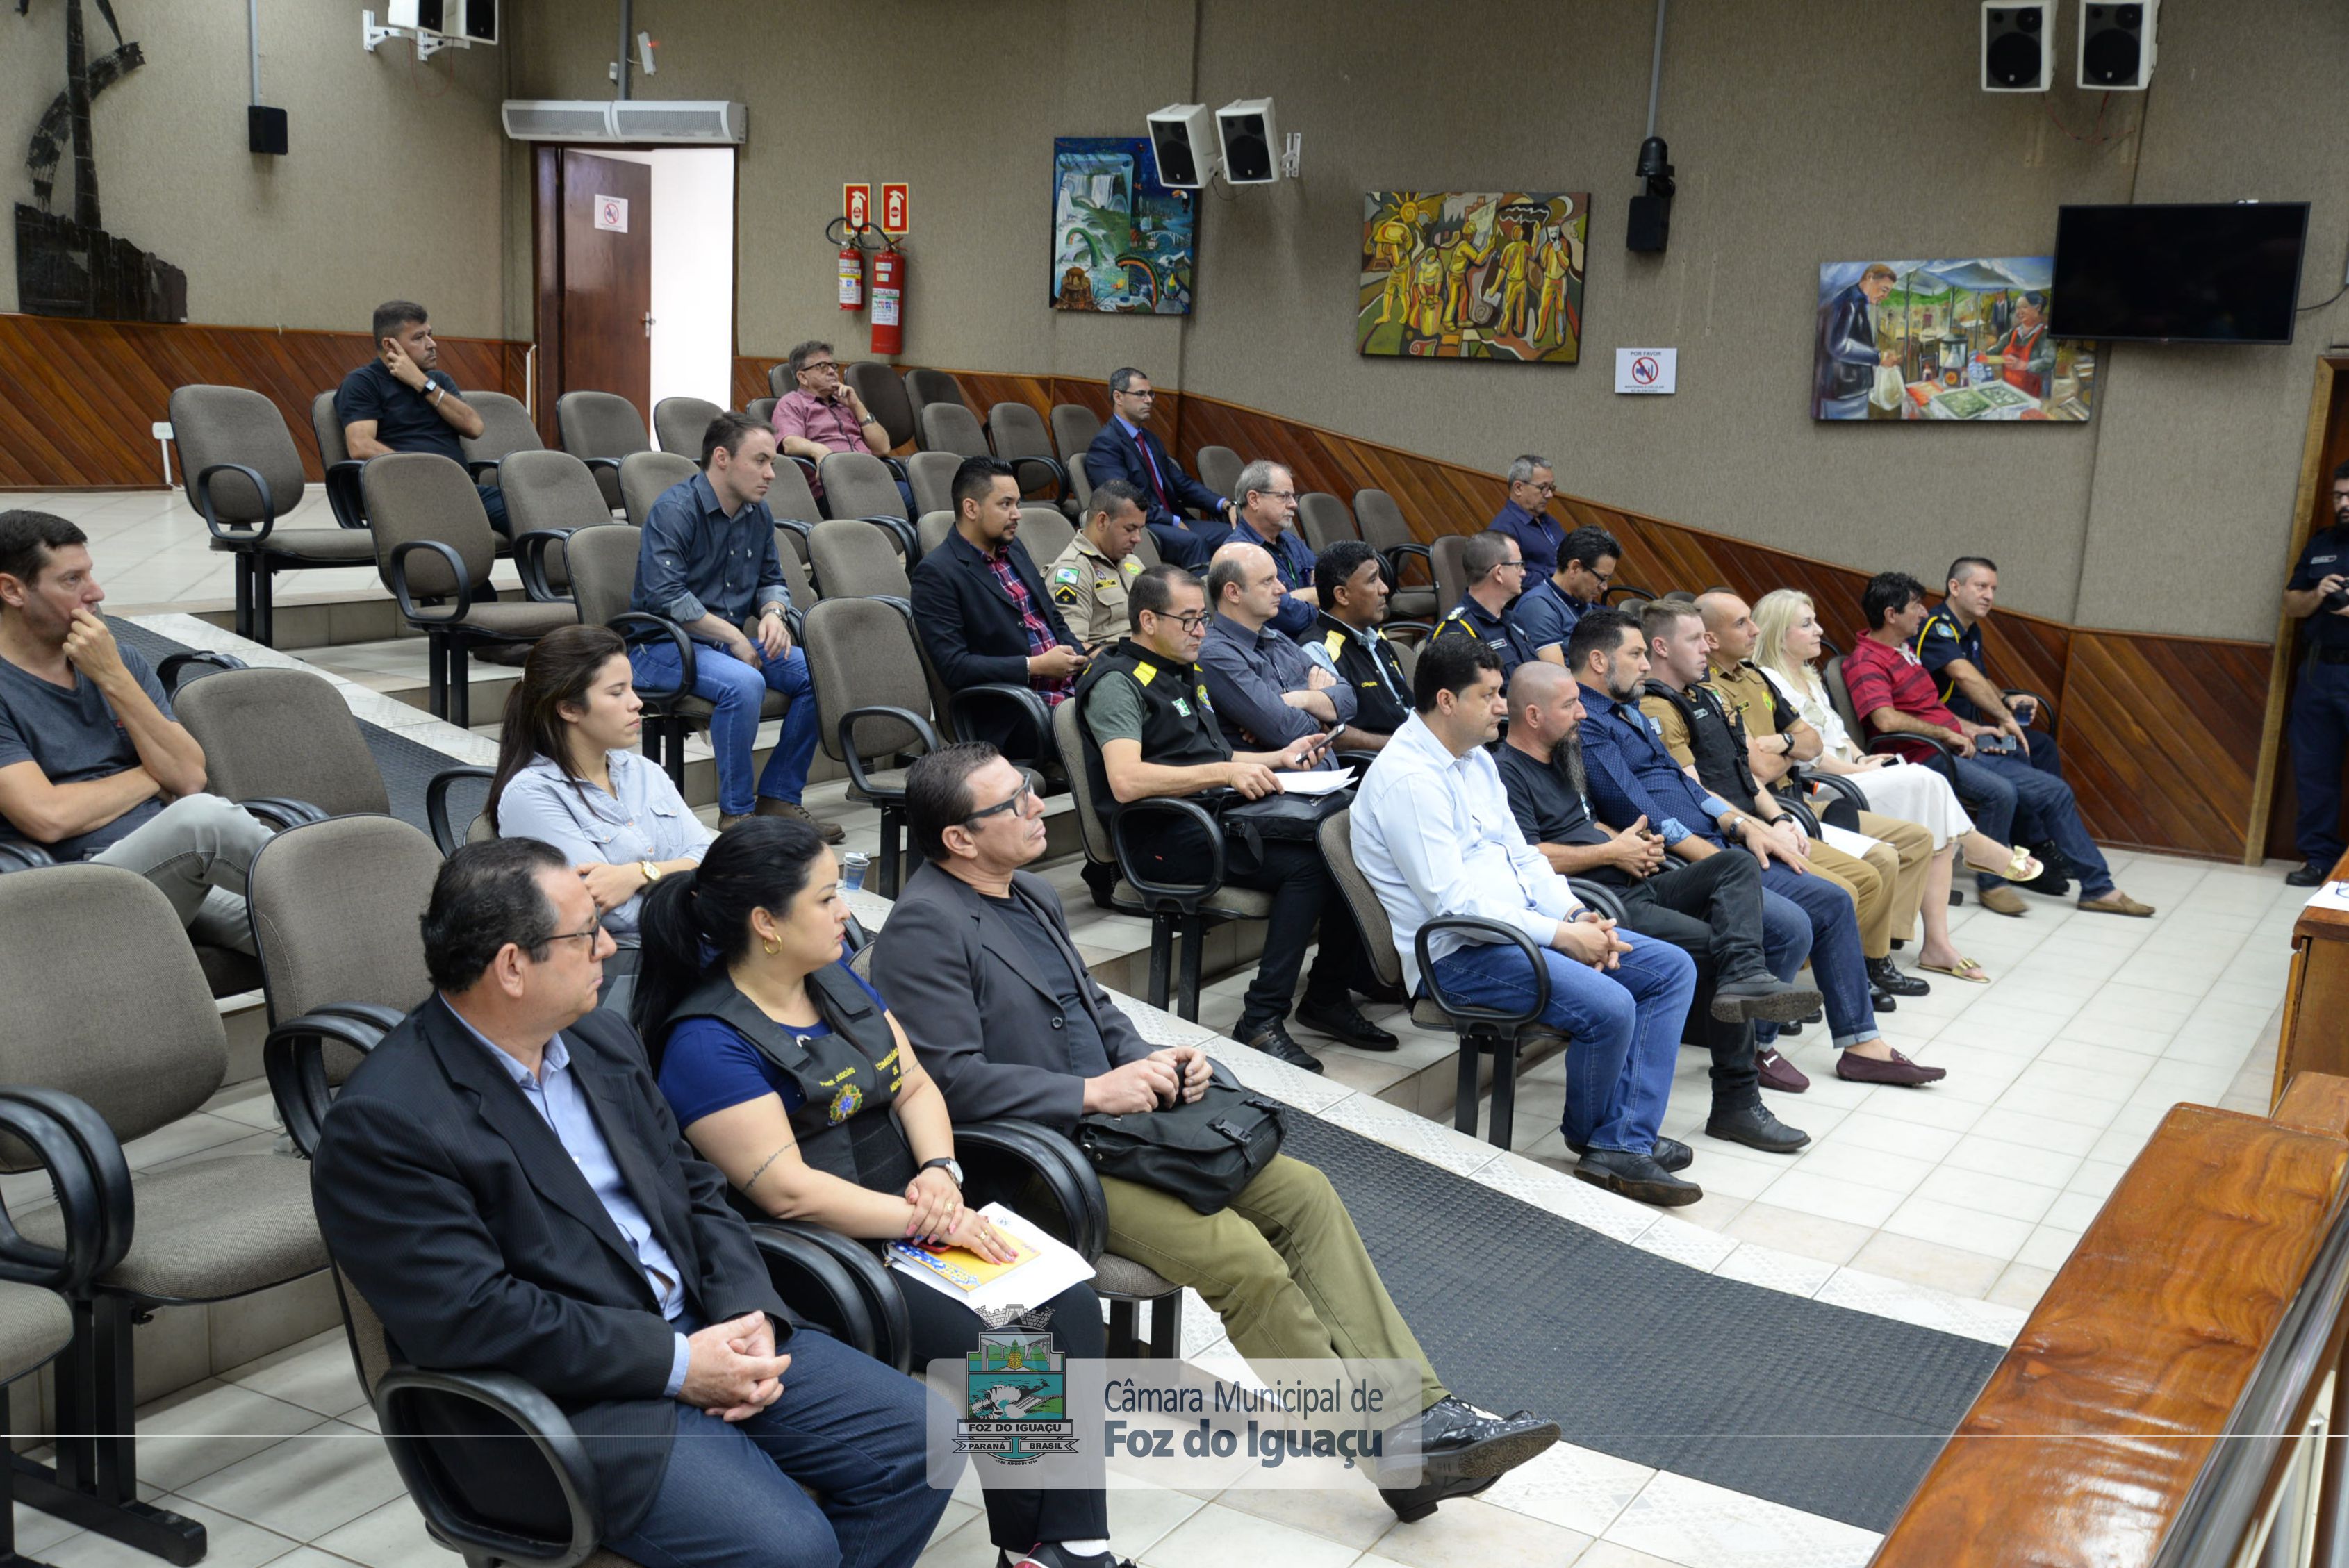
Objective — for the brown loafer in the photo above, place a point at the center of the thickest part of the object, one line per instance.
(830, 832)
(2116, 902)
(2003, 901)
(1901, 1070)
(1776, 1072)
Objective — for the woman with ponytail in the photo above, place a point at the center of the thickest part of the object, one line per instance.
(787, 1072)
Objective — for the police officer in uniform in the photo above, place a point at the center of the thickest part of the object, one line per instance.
(1346, 641)
(1151, 731)
(1495, 567)
(1088, 579)
(2319, 732)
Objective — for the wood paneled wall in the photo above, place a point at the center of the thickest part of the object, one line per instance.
(78, 399)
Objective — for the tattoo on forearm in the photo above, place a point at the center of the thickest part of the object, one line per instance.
(762, 1170)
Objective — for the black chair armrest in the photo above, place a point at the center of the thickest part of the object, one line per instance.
(18, 856)
(1025, 705)
(173, 671)
(484, 470)
(92, 1182)
(1632, 590)
(1945, 759)
(294, 1057)
(436, 804)
(1186, 897)
(909, 543)
(642, 627)
(1005, 1159)
(2043, 713)
(1486, 931)
(1804, 818)
(1606, 900)
(847, 732)
(236, 533)
(281, 812)
(1836, 784)
(345, 499)
(1060, 476)
(595, 463)
(1395, 555)
(839, 1286)
(807, 466)
(1357, 762)
(1413, 631)
(405, 1400)
(530, 559)
(896, 469)
(457, 602)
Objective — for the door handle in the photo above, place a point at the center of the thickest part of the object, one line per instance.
(648, 324)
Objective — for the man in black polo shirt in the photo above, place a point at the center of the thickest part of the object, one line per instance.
(1345, 640)
(2319, 594)
(401, 401)
(1151, 731)
(1711, 909)
(1496, 570)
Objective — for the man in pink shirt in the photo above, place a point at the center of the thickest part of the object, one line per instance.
(825, 415)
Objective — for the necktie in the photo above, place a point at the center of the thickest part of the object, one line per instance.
(1156, 481)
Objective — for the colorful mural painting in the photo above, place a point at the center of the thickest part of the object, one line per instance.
(1958, 338)
(1473, 275)
(1120, 241)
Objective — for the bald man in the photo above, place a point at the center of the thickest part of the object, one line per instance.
(1712, 909)
(1265, 690)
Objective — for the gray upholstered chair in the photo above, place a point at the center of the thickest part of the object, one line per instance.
(852, 560)
(951, 427)
(241, 472)
(281, 734)
(1044, 533)
(1323, 518)
(790, 500)
(1219, 470)
(860, 485)
(1080, 485)
(883, 391)
(1022, 440)
(1074, 425)
(873, 704)
(932, 528)
(335, 457)
(600, 429)
(679, 423)
(109, 1005)
(549, 496)
(1446, 555)
(924, 388)
(35, 1326)
(1184, 913)
(932, 476)
(1385, 531)
(646, 477)
(761, 409)
(434, 550)
(506, 428)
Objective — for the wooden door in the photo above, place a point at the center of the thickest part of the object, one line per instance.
(607, 277)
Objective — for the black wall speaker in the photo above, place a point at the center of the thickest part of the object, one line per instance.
(264, 129)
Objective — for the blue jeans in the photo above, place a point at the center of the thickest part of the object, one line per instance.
(1623, 1027)
(844, 1424)
(2016, 803)
(493, 502)
(1837, 962)
(1785, 948)
(737, 690)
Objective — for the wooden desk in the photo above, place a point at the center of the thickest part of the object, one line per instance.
(2315, 1035)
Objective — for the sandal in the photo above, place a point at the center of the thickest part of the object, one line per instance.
(1964, 969)
(2022, 866)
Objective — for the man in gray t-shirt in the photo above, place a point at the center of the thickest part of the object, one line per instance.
(93, 764)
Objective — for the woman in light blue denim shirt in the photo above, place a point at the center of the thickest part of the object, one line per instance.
(569, 773)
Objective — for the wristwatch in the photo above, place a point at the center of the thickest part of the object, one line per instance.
(652, 872)
(947, 1163)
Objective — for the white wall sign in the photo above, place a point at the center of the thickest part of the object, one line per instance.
(612, 212)
(1647, 369)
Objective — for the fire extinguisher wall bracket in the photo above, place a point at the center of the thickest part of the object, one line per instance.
(889, 299)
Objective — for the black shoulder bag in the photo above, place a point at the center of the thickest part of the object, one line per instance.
(1203, 1152)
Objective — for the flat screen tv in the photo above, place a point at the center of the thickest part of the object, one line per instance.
(2220, 272)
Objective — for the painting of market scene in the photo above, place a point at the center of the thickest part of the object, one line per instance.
(1121, 242)
(1472, 274)
(1952, 339)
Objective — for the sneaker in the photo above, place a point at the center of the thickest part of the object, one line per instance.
(1273, 1041)
(830, 832)
(1342, 1021)
(2313, 874)
(1052, 1555)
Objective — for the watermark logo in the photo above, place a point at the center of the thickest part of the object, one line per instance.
(1015, 1390)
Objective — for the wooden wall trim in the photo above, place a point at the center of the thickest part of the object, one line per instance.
(78, 398)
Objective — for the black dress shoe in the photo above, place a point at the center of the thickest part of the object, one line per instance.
(1788, 1031)
(1341, 1020)
(1886, 975)
(1100, 879)
(1765, 998)
(1637, 1177)
(2052, 880)
(1274, 1041)
(1463, 1450)
(1881, 1000)
(1668, 1153)
(1413, 1503)
(1753, 1125)
(2313, 874)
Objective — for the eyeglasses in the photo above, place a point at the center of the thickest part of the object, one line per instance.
(1519, 565)
(821, 365)
(594, 930)
(1133, 393)
(1189, 623)
(1542, 489)
(1017, 805)
(1278, 495)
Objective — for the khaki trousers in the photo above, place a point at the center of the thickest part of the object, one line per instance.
(1282, 1266)
(1886, 885)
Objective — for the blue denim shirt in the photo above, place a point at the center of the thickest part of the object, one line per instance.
(1632, 776)
(695, 561)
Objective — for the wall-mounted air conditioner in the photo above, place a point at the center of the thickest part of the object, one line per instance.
(663, 121)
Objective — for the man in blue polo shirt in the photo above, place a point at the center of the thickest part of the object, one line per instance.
(402, 401)
(707, 561)
(1525, 517)
(1265, 500)
(1632, 775)
(1496, 570)
(1545, 613)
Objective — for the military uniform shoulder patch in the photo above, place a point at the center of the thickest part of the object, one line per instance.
(1071, 573)
(1335, 642)
(1131, 566)
(1064, 594)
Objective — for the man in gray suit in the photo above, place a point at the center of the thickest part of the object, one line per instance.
(976, 964)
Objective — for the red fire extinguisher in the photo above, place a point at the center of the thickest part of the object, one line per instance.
(889, 301)
(851, 275)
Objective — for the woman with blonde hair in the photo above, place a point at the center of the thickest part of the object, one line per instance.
(1788, 648)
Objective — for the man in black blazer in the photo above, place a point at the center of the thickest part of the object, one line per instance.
(1124, 450)
(976, 964)
(980, 608)
(503, 1184)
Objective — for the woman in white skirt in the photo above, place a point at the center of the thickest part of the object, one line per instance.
(1786, 649)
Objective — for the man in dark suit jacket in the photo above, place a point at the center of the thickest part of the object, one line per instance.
(976, 965)
(980, 608)
(503, 1184)
(1124, 450)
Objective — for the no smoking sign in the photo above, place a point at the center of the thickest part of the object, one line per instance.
(1647, 369)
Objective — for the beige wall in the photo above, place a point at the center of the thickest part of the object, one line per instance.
(394, 185)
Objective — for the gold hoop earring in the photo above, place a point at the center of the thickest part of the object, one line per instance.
(773, 948)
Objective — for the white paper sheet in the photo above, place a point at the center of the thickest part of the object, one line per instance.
(1055, 1268)
(1322, 783)
(1854, 844)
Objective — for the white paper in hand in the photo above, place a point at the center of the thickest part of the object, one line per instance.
(1054, 1269)
(1322, 783)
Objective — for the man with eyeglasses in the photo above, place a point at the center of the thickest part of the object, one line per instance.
(1496, 570)
(1525, 517)
(1125, 450)
(826, 415)
(1151, 732)
(1548, 608)
(1266, 492)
